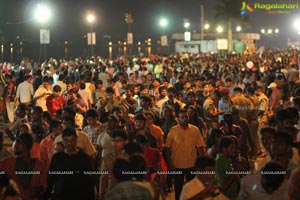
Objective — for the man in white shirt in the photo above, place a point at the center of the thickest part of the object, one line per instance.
(265, 186)
(25, 91)
(61, 83)
(42, 93)
(203, 186)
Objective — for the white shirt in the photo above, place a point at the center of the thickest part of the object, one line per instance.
(42, 101)
(55, 78)
(62, 85)
(104, 141)
(251, 189)
(195, 186)
(25, 92)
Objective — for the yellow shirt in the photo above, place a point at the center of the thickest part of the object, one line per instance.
(183, 144)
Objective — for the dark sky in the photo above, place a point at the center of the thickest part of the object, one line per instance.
(68, 21)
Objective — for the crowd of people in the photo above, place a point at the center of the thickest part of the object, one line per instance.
(205, 126)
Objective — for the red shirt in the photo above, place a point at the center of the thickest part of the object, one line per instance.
(54, 104)
(8, 165)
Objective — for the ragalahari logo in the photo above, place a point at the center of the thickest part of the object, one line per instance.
(246, 8)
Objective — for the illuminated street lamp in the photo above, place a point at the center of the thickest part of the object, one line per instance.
(263, 31)
(42, 15)
(220, 29)
(163, 22)
(276, 30)
(297, 24)
(186, 23)
(91, 36)
(270, 31)
(238, 28)
(206, 26)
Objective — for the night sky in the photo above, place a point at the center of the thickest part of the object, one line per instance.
(68, 20)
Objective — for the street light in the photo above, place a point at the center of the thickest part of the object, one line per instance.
(270, 31)
(297, 24)
(263, 31)
(238, 28)
(163, 22)
(276, 30)
(186, 23)
(220, 29)
(91, 40)
(42, 13)
(206, 26)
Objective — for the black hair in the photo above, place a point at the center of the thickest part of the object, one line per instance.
(238, 89)
(82, 86)
(109, 90)
(56, 88)
(119, 133)
(69, 119)
(211, 137)
(267, 130)
(132, 148)
(69, 110)
(38, 109)
(54, 124)
(120, 166)
(138, 164)
(203, 162)
(282, 115)
(26, 140)
(272, 180)
(91, 113)
(68, 132)
(225, 142)
(141, 139)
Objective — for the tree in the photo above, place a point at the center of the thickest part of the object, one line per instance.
(229, 12)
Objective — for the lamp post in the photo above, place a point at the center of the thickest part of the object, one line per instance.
(43, 15)
(164, 39)
(91, 36)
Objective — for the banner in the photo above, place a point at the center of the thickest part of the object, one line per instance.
(129, 38)
(187, 36)
(91, 38)
(164, 40)
(44, 36)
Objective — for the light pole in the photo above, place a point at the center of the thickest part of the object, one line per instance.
(43, 15)
(129, 21)
(92, 39)
(164, 39)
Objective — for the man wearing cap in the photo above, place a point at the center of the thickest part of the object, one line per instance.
(274, 98)
(27, 172)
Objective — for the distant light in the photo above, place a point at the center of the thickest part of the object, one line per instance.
(220, 29)
(270, 31)
(66, 42)
(238, 28)
(91, 18)
(110, 43)
(186, 24)
(206, 26)
(139, 43)
(42, 13)
(297, 24)
(163, 22)
(263, 31)
(298, 32)
(124, 43)
(276, 30)
(149, 39)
